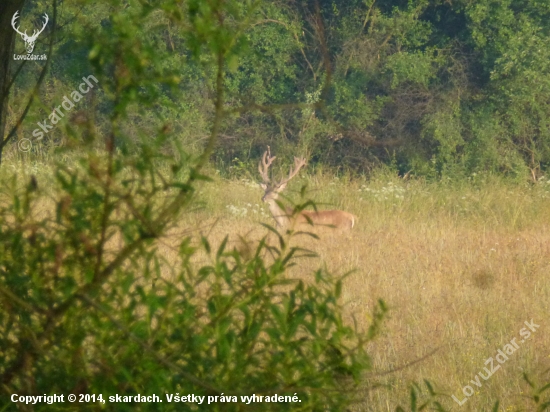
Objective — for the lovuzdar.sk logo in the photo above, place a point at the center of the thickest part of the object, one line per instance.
(29, 40)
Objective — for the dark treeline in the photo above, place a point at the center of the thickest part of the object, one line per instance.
(442, 88)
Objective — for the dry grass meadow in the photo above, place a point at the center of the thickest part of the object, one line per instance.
(462, 266)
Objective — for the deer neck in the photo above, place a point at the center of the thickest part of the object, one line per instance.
(280, 215)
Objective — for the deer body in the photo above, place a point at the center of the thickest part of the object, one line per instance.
(288, 217)
(328, 218)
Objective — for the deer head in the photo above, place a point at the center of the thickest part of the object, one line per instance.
(29, 40)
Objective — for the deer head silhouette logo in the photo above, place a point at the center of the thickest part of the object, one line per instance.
(29, 40)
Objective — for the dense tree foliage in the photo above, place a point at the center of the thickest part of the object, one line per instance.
(439, 87)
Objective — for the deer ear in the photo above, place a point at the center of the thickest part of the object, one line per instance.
(263, 186)
(281, 187)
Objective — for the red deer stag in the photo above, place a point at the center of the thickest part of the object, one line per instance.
(287, 218)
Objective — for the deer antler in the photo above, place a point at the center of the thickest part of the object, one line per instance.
(263, 168)
(13, 20)
(298, 164)
(264, 164)
(37, 32)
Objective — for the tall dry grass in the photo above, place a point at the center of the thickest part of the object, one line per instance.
(461, 264)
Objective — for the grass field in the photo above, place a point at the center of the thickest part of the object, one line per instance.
(462, 265)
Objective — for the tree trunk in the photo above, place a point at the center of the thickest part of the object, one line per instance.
(7, 34)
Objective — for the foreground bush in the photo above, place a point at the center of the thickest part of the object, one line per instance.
(91, 307)
(84, 314)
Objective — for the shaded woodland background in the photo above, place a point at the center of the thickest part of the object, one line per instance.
(439, 88)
